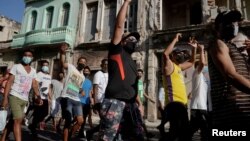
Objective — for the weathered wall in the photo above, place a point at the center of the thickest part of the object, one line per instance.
(8, 28)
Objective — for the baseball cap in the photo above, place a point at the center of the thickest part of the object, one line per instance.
(227, 17)
(128, 34)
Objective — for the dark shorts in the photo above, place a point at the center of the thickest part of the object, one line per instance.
(85, 109)
(120, 117)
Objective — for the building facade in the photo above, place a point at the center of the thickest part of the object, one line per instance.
(8, 28)
(46, 25)
(87, 27)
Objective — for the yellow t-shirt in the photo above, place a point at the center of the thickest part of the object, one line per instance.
(174, 86)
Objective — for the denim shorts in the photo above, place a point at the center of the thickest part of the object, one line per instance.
(73, 107)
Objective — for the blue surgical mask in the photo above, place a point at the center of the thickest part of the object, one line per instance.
(26, 60)
(45, 69)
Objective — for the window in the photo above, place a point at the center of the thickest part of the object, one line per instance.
(195, 12)
(109, 19)
(131, 23)
(65, 14)
(33, 20)
(49, 17)
(91, 18)
(225, 3)
(1, 28)
(175, 14)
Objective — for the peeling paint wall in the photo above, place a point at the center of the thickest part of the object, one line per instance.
(8, 28)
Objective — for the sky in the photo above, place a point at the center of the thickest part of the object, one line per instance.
(13, 9)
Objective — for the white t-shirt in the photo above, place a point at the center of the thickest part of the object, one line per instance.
(199, 91)
(73, 83)
(22, 82)
(161, 95)
(44, 83)
(57, 88)
(100, 79)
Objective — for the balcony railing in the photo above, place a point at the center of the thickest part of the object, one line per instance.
(45, 36)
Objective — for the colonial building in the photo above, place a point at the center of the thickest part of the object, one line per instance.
(87, 26)
(46, 25)
(8, 28)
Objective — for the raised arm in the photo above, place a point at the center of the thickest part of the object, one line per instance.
(120, 20)
(170, 47)
(190, 63)
(168, 64)
(223, 62)
(202, 58)
(63, 58)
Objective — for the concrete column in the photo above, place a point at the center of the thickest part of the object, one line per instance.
(118, 5)
(152, 86)
(99, 22)
(238, 5)
(205, 12)
(82, 22)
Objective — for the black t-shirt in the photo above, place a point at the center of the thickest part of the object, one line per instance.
(122, 83)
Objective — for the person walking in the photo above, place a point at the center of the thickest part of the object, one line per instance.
(22, 78)
(199, 98)
(40, 112)
(143, 98)
(70, 102)
(100, 82)
(229, 74)
(121, 104)
(55, 114)
(176, 61)
(86, 99)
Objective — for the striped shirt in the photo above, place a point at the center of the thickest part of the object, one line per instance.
(174, 85)
(231, 107)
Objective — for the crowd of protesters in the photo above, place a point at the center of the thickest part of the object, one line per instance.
(116, 93)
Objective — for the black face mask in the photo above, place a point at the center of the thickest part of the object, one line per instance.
(229, 32)
(86, 74)
(130, 47)
(80, 66)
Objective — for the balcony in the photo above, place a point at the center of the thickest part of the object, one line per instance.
(45, 36)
